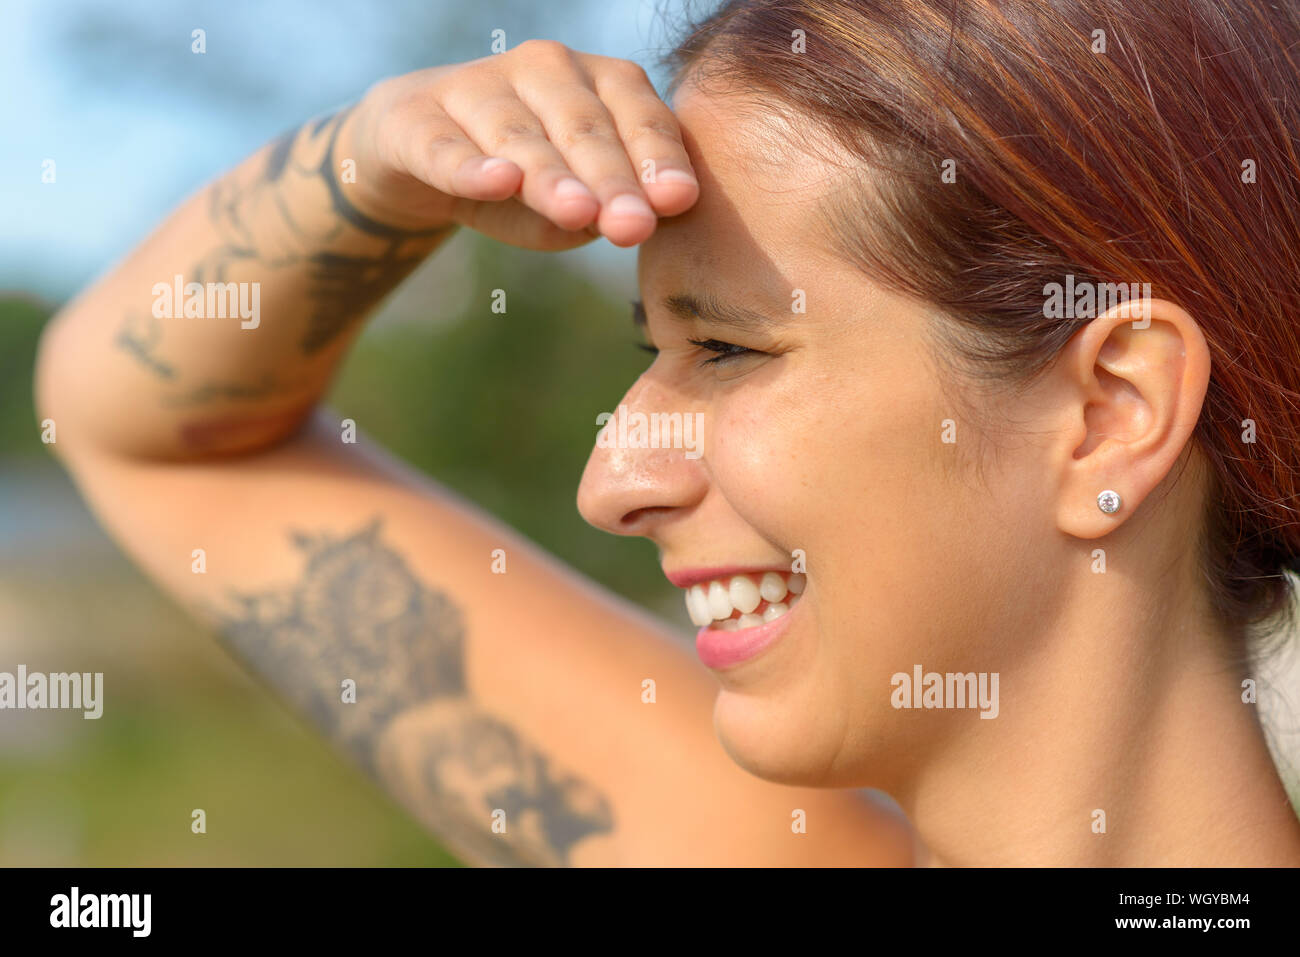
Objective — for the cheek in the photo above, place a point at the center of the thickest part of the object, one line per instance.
(766, 455)
(900, 496)
(833, 459)
(849, 464)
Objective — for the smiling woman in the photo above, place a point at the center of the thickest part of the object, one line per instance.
(918, 501)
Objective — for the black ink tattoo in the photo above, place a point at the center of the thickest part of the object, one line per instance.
(347, 286)
(343, 286)
(252, 213)
(327, 171)
(139, 336)
(553, 811)
(359, 613)
(265, 387)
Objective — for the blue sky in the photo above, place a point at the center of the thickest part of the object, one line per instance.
(135, 121)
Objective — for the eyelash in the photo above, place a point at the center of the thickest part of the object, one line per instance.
(726, 350)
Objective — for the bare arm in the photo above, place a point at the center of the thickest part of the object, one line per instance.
(294, 267)
(503, 710)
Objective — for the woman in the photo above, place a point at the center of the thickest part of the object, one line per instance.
(950, 469)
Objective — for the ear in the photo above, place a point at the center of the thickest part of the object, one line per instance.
(1134, 381)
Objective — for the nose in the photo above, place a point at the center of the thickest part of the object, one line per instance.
(631, 488)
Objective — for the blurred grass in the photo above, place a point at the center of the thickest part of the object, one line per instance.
(501, 408)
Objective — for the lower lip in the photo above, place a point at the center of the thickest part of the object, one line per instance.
(723, 649)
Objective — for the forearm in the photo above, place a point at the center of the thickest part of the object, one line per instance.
(278, 267)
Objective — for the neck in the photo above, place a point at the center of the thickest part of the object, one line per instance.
(1123, 742)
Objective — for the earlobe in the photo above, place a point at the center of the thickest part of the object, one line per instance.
(1136, 381)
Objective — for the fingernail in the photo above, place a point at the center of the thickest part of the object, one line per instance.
(570, 188)
(492, 163)
(676, 176)
(630, 205)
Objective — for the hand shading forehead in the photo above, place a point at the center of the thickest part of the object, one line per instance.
(756, 224)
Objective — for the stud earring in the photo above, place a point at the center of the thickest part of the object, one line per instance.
(1108, 501)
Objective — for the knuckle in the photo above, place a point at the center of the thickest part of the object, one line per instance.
(544, 49)
(629, 70)
(581, 129)
(651, 127)
(461, 99)
(443, 140)
(511, 131)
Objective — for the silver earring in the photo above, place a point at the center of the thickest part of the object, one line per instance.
(1108, 501)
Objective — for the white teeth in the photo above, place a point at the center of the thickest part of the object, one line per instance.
(772, 587)
(697, 606)
(744, 594)
(713, 603)
(719, 601)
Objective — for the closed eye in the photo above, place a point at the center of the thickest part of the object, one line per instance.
(725, 350)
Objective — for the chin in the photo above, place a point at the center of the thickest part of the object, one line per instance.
(782, 742)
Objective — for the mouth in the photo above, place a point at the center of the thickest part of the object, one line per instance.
(740, 615)
(737, 602)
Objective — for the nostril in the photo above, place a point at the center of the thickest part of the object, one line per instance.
(642, 516)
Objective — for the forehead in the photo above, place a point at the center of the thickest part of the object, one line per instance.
(756, 221)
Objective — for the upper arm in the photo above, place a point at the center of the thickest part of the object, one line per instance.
(504, 710)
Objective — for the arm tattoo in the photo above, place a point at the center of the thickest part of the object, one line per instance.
(350, 262)
(358, 612)
(139, 336)
(343, 285)
(268, 385)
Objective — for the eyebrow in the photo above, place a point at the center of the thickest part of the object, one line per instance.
(686, 307)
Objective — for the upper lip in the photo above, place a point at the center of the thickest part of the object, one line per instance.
(686, 577)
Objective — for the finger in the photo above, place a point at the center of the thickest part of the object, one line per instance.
(437, 151)
(503, 126)
(581, 128)
(651, 136)
(514, 223)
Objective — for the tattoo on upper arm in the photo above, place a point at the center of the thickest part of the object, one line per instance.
(358, 612)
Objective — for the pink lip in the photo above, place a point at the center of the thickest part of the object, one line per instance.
(686, 577)
(723, 649)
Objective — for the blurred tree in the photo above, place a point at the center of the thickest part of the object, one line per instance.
(21, 321)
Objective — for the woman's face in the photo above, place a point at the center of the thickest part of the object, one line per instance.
(827, 440)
